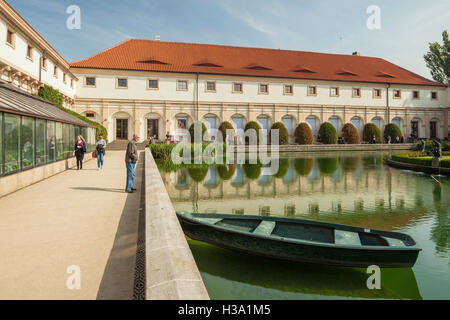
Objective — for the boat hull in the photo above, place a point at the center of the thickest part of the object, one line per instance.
(305, 253)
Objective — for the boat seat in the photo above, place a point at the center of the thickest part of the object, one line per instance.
(346, 238)
(209, 220)
(394, 242)
(265, 228)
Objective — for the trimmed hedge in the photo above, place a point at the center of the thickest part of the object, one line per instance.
(255, 126)
(196, 126)
(327, 134)
(393, 131)
(303, 134)
(224, 126)
(421, 159)
(283, 168)
(283, 138)
(370, 130)
(252, 171)
(328, 166)
(53, 96)
(304, 166)
(350, 134)
(226, 172)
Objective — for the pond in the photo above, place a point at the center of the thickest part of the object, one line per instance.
(349, 188)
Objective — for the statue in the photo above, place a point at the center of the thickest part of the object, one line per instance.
(422, 146)
(436, 150)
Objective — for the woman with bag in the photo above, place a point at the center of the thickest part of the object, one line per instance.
(80, 150)
(100, 152)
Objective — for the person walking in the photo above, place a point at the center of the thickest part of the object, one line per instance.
(100, 150)
(131, 157)
(80, 150)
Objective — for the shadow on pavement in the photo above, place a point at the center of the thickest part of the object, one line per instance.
(118, 278)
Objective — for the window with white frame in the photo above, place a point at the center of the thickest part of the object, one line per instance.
(122, 83)
(152, 84)
(237, 87)
(334, 91)
(182, 85)
(210, 86)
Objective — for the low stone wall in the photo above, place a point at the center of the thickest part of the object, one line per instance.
(171, 271)
(17, 181)
(337, 147)
(418, 168)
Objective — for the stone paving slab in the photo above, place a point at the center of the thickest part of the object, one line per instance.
(81, 218)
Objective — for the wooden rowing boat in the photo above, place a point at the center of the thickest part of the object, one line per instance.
(303, 240)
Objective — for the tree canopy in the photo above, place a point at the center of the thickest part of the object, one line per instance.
(438, 60)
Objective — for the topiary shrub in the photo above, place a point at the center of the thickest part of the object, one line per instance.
(283, 168)
(393, 131)
(252, 171)
(255, 126)
(224, 126)
(350, 134)
(327, 134)
(303, 134)
(198, 174)
(283, 134)
(196, 126)
(371, 130)
(328, 166)
(303, 166)
(226, 172)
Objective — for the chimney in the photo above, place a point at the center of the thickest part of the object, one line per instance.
(356, 53)
(157, 38)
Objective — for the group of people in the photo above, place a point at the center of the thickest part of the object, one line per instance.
(131, 157)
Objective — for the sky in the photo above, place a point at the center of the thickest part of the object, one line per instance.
(406, 26)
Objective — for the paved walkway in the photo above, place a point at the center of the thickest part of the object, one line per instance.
(82, 218)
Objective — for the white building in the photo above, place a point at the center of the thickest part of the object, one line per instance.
(28, 61)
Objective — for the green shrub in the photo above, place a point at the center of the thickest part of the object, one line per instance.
(303, 134)
(53, 96)
(283, 138)
(327, 134)
(196, 127)
(328, 166)
(303, 166)
(226, 172)
(393, 131)
(224, 126)
(413, 158)
(255, 126)
(252, 171)
(283, 168)
(370, 130)
(162, 151)
(445, 146)
(198, 174)
(350, 134)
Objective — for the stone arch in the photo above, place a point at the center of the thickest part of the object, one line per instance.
(180, 126)
(379, 122)
(212, 122)
(399, 122)
(337, 122)
(358, 122)
(114, 132)
(291, 120)
(153, 124)
(438, 127)
(314, 123)
(97, 117)
(416, 127)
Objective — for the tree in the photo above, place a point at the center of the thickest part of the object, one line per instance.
(283, 134)
(303, 134)
(438, 60)
(327, 134)
(350, 134)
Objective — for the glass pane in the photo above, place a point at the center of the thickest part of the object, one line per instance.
(312, 124)
(334, 122)
(376, 122)
(41, 145)
(27, 142)
(59, 141)
(288, 124)
(67, 148)
(1, 143)
(12, 143)
(355, 122)
(51, 138)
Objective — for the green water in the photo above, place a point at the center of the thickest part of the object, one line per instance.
(351, 188)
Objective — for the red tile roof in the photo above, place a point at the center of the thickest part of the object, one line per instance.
(148, 55)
